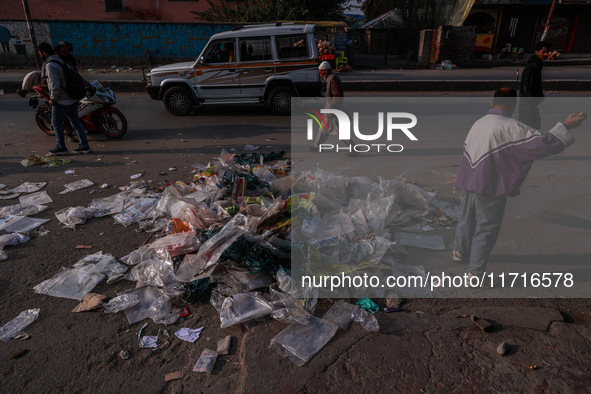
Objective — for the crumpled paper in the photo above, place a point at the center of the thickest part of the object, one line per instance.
(89, 302)
(188, 334)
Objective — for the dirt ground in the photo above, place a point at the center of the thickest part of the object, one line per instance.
(424, 348)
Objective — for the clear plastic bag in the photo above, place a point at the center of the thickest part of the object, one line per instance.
(376, 212)
(212, 249)
(299, 343)
(68, 283)
(138, 209)
(244, 281)
(78, 185)
(217, 300)
(273, 210)
(289, 310)
(420, 240)
(21, 210)
(19, 323)
(20, 224)
(367, 320)
(340, 314)
(264, 174)
(153, 303)
(38, 198)
(243, 307)
(12, 239)
(405, 194)
(177, 244)
(28, 187)
(157, 272)
(198, 214)
(121, 302)
(105, 264)
(72, 216)
(136, 256)
(108, 205)
(281, 187)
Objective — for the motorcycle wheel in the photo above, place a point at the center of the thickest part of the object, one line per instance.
(43, 119)
(112, 123)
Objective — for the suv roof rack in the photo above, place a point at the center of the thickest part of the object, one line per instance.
(263, 25)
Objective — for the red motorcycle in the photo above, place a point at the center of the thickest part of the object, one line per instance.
(96, 112)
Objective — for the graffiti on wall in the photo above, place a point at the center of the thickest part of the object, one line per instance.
(7, 38)
(134, 39)
(15, 38)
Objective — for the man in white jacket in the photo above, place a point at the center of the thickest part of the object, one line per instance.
(62, 106)
(498, 154)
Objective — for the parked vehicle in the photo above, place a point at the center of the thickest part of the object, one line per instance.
(96, 112)
(267, 64)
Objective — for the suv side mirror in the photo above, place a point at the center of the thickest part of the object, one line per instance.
(201, 60)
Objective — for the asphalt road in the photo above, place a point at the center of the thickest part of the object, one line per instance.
(476, 74)
(425, 348)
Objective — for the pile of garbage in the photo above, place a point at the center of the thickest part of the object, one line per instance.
(226, 238)
(446, 65)
(15, 224)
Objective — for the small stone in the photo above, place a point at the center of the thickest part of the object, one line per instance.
(481, 323)
(224, 345)
(503, 348)
(124, 355)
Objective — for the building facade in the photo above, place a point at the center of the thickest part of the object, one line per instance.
(103, 10)
(513, 26)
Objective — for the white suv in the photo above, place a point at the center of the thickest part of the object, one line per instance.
(252, 64)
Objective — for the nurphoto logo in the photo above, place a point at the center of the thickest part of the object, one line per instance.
(339, 120)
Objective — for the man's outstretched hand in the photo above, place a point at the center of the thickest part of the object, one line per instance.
(575, 119)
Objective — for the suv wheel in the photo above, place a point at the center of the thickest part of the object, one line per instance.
(280, 100)
(178, 101)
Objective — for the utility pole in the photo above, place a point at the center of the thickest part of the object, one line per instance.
(550, 14)
(31, 31)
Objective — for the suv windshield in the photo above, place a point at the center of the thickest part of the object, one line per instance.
(221, 51)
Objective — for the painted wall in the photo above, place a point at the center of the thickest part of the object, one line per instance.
(14, 36)
(132, 39)
(114, 39)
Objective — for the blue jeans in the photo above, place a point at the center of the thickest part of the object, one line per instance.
(478, 228)
(59, 113)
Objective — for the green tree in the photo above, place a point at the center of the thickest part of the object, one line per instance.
(273, 10)
(374, 8)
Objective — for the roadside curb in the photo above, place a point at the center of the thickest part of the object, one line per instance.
(376, 86)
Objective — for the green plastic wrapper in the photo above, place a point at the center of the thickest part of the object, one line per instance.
(368, 305)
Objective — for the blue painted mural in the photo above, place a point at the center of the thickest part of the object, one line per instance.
(133, 39)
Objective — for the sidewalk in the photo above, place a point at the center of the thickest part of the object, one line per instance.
(565, 77)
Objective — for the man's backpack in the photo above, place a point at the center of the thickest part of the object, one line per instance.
(75, 84)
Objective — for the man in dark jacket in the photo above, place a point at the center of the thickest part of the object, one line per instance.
(62, 106)
(531, 91)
